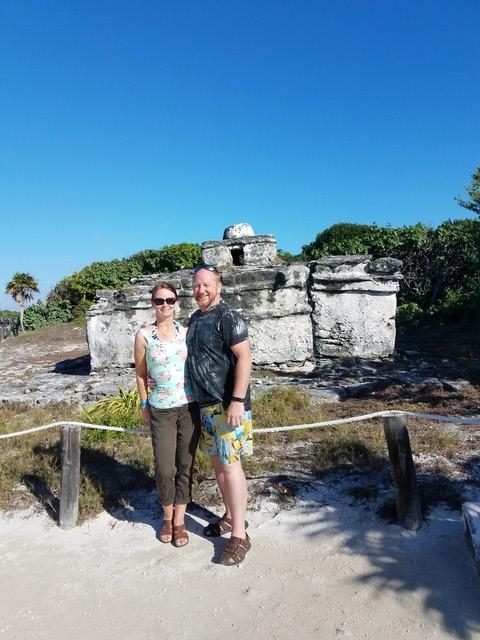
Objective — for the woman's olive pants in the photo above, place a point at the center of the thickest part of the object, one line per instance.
(175, 435)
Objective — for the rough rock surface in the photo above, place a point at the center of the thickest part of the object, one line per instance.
(338, 306)
(238, 230)
(354, 303)
(52, 364)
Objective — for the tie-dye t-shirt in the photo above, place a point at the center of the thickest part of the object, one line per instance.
(211, 360)
(167, 365)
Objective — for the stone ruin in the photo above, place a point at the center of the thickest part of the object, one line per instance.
(297, 313)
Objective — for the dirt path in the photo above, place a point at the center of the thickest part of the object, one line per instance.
(329, 568)
(324, 569)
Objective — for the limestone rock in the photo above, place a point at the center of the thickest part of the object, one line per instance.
(237, 231)
(242, 251)
(337, 306)
(295, 313)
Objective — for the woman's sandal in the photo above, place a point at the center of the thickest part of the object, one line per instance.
(180, 535)
(235, 551)
(165, 534)
(219, 527)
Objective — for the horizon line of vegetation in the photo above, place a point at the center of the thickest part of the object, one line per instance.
(441, 269)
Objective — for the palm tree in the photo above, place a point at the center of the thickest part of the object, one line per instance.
(22, 287)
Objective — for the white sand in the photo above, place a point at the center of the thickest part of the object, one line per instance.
(325, 569)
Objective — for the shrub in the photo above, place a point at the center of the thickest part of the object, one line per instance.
(44, 314)
(170, 258)
(114, 411)
(409, 313)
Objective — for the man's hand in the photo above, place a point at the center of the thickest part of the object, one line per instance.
(235, 413)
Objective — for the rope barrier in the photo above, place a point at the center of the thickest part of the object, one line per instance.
(326, 423)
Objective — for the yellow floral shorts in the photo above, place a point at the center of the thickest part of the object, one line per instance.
(218, 438)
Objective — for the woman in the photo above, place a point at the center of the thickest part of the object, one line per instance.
(169, 410)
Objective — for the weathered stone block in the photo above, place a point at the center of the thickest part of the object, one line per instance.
(277, 341)
(241, 251)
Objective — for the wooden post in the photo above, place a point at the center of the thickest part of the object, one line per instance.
(70, 477)
(408, 500)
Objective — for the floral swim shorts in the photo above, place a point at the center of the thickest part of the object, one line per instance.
(218, 438)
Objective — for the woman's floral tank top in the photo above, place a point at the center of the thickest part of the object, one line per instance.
(167, 365)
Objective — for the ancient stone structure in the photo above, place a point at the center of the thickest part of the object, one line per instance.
(340, 306)
(240, 247)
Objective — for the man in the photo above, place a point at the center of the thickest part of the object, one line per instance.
(220, 361)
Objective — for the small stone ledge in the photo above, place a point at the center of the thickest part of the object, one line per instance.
(471, 517)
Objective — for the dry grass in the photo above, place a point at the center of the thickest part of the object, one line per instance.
(30, 465)
(32, 461)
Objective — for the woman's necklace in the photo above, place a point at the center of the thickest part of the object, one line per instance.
(165, 331)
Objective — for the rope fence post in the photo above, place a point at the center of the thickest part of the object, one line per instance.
(70, 476)
(407, 497)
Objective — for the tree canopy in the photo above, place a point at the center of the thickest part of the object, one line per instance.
(474, 193)
(441, 265)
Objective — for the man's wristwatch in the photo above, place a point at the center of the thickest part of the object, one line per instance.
(237, 399)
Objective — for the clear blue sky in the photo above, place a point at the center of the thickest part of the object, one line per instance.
(132, 125)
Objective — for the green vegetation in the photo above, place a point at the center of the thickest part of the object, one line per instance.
(343, 446)
(79, 289)
(286, 256)
(43, 314)
(170, 258)
(441, 266)
(115, 411)
(82, 286)
(473, 204)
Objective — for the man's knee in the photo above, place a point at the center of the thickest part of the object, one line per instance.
(233, 469)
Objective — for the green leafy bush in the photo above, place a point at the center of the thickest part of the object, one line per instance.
(440, 265)
(81, 287)
(84, 284)
(460, 303)
(114, 411)
(351, 239)
(409, 313)
(170, 258)
(43, 314)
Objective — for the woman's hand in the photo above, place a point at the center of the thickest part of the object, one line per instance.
(146, 415)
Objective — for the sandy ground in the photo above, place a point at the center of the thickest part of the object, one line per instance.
(327, 568)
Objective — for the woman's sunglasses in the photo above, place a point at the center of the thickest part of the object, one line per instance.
(160, 301)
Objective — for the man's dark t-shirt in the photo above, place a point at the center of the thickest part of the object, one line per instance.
(210, 358)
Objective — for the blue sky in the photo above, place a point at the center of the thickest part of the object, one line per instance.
(133, 125)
